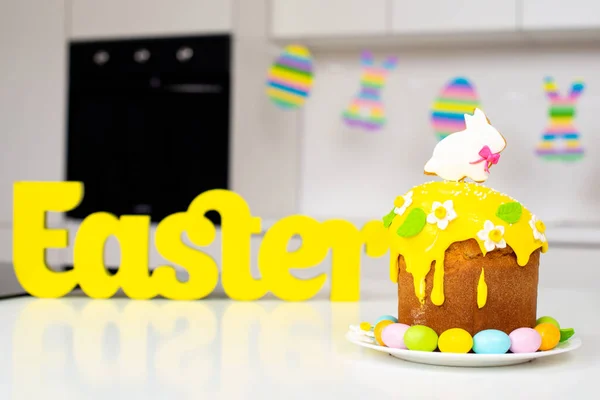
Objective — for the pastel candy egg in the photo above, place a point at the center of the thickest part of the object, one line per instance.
(379, 329)
(365, 326)
(525, 340)
(290, 78)
(455, 340)
(550, 335)
(491, 341)
(386, 317)
(393, 336)
(420, 338)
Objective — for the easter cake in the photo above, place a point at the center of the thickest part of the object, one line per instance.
(466, 260)
(464, 255)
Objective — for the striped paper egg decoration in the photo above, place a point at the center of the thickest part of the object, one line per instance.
(290, 78)
(456, 99)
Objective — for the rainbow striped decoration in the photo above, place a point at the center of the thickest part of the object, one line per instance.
(456, 99)
(366, 109)
(290, 78)
(561, 140)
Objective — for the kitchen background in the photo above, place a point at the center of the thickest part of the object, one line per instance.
(87, 87)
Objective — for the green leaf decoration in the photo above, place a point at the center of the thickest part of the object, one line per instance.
(387, 220)
(566, 333)
(413, 224)
(510, 212)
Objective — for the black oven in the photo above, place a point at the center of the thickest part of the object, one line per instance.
(148, 123)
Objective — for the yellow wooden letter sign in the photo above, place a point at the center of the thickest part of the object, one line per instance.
(31, 238)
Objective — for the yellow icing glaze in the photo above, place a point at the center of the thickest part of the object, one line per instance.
(540, 226)
(474, 204)
(482, 290)
(399, 202)
(437, 293)
(394, 265)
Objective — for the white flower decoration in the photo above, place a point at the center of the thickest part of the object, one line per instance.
(538, 228)
(362, 335)
(492, 236)
(402, 203)
(441, 214)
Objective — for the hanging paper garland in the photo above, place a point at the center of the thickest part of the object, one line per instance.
(290, 78)
(366, 108)
(456, 99)
(561, 139)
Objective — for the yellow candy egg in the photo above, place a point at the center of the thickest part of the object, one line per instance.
(365, 326)
(455, 340)
(379, 329)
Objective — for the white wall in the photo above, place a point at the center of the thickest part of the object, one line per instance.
(32, 101)
(351, 173)
(93, 19)
(265, 139)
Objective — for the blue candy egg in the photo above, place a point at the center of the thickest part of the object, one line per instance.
(491, 341)
(386, 317)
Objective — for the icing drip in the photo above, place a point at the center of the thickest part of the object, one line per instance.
(482, 290)
(394, 265)
(437, 294)
(474, 205)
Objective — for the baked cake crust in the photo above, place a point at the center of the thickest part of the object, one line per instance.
(511, 291)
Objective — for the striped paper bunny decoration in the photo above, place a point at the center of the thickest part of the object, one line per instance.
(561, 139)
(366, 108)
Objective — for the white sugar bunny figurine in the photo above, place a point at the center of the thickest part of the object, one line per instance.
(469, 153)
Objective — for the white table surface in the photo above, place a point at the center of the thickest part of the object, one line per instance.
(77, 348)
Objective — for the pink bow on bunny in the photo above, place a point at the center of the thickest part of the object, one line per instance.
(490, 158)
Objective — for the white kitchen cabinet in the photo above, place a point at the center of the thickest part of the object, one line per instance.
(560, 14)
(444, 16)
(32, 97)
(113, 18)
(307, 18)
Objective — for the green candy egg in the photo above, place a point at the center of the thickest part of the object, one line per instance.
(547, 320)
(420, 338)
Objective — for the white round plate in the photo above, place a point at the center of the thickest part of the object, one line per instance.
(465, 360)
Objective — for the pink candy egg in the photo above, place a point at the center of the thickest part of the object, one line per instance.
(525, 340)
(393, 336)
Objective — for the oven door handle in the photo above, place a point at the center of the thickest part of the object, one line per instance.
(193, 88)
